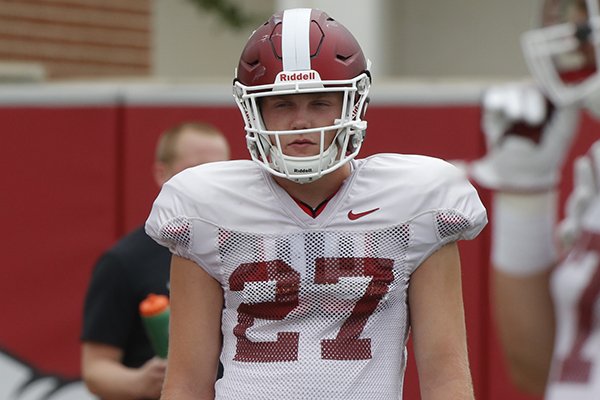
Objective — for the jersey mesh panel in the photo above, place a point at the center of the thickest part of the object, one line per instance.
(315, 311)
(451, 223)
(177, 232)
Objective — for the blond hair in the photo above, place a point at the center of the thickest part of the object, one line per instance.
(167, 143)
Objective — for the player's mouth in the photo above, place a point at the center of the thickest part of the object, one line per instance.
(301, 147)
(301, 143)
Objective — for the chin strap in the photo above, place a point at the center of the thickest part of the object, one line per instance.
(295, 167)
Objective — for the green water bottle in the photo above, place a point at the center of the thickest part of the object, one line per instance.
(155, 313)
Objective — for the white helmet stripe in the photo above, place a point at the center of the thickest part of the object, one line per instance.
(295, 39)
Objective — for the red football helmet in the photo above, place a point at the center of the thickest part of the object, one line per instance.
(564, 54)
(302, 51)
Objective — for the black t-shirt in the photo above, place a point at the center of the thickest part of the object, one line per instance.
(123, 276)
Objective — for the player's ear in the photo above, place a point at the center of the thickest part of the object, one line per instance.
(160, 173)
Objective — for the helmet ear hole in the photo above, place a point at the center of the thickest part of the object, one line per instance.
(365, 106)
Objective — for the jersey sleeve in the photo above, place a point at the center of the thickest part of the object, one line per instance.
(455, 212)
(181, 220)
(169, 223)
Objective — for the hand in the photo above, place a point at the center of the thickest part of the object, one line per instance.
(527, 139)
(586, 190)
(150, 378)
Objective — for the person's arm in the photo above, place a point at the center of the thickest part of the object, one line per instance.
(523, 253)
(438, 327)
(527, 142)
(195, 332)
(525, 324)
(108, 318)
(106, 377)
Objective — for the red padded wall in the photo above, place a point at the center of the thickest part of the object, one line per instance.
(57, 208)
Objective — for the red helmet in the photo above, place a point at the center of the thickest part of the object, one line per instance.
(302, 51)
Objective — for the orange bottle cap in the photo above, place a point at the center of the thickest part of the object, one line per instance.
(154, 304)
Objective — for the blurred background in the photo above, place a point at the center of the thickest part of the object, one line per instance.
(201, 39)
(87, 86)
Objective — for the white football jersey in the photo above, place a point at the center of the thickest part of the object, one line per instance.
(315, 308)
(576, 291)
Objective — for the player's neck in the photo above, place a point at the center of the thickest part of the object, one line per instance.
(315, 193)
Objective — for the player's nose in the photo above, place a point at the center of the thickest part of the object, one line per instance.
(300, 121)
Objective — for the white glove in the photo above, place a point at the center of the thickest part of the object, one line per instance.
(586, 190)
(527, 139)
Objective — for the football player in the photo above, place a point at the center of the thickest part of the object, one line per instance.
(313, 264)
(547, 291)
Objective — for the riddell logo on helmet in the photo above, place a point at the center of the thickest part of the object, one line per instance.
(298, 76)
(302, 170)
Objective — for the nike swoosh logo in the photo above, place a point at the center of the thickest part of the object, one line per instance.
(352, 216)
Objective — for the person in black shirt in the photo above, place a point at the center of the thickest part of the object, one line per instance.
(117, 358)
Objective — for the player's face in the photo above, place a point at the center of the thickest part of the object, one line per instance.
(302, 111)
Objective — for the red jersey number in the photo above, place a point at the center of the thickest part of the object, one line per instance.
(347, 345)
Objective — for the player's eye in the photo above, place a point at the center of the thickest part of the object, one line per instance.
(278, 104)
(321, 103)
